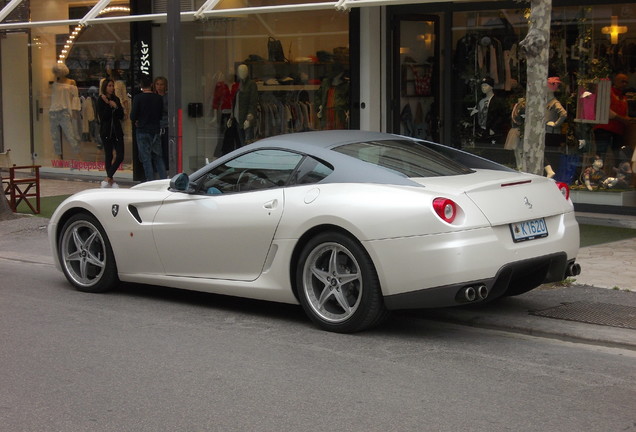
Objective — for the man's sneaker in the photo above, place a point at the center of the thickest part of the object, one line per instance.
(104, 184)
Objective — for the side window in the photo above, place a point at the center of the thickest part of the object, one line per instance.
(260, 169)
(310, 171)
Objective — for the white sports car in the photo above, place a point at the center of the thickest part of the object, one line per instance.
(349, 224)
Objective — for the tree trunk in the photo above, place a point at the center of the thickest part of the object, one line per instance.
(536, 46)
(5, 211)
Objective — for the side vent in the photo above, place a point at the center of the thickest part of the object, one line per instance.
(134, 212)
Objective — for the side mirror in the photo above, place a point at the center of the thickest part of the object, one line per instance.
(180, 182)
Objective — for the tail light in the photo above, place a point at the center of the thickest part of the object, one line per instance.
(565, 189)
(445, 208)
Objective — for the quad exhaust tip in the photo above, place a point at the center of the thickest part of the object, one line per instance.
(472, 293)
(482, 292)
(573, 269)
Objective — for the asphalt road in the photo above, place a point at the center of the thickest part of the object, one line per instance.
(154, 359)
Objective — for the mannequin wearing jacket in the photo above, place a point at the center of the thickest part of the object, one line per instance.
(333, 100)
(555, 115)
(244, 102)
(491, 113)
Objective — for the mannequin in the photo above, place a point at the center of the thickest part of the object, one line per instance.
(623, 179)
(333, 99)
(245, 99)
(513, 140)
(490, 114)
(593, 176)
(65, 105)
(221, 100)
(221, 109)
(555, 115)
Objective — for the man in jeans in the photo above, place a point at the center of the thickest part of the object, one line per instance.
(147, 109)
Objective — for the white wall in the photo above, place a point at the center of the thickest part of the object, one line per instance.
(371, 76)
(15, 97)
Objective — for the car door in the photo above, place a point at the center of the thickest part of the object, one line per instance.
(226, 229)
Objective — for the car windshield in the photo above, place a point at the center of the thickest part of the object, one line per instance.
(409, 158)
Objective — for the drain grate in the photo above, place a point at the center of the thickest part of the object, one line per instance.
(604, 314)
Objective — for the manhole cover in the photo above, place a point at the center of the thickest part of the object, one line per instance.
(604, 314)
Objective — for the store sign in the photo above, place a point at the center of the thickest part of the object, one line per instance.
(144, 67)
(141, 48)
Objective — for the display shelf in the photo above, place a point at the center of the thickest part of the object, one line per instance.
(291, 87)
(610, 198)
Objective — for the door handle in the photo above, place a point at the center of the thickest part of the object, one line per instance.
(271, 205)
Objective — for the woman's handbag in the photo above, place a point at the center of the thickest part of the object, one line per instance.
(275, 50)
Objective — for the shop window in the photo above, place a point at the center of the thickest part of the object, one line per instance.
(68, 138)
(260, 76)
(589, 45)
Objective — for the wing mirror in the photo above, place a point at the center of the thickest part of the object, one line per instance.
(180, 182)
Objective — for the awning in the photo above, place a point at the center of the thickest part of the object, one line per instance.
(8, 9)
(207, 10)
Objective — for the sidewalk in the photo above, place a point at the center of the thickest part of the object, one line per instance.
(54, 184)
(598, 307)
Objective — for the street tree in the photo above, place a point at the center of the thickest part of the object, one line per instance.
(536, 46)
(5, 211)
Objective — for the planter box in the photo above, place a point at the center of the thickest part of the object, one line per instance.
(621, 199)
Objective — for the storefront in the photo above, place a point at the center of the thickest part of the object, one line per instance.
(415, 68)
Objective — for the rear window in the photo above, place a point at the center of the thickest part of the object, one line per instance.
(409, 158)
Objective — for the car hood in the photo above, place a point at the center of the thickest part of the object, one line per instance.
(504, 197)
(156, 185)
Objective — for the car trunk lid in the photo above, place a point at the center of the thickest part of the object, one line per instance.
(504, 197)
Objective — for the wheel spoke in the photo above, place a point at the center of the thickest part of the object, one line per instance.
(89, 241)
(79, 243)
(342, 301)
(321, 275)
(324, 296)
(74, 256)
(82, 271)
(96, 261)
(333, 262)
(348, 278)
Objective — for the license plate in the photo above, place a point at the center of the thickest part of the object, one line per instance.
(528, 230)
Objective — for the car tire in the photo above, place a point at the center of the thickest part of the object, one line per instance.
(338, 286)
(86, 256)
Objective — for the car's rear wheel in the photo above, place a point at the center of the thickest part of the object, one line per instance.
(338, 285)
(85, 254)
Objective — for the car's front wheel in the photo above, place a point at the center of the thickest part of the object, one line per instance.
(86, 255)
(338, 285)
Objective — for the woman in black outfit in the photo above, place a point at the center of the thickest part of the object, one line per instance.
(110, 114)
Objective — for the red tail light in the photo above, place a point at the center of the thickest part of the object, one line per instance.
(445, 209)
(565, 189)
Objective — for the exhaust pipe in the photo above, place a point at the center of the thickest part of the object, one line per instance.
(482, 292)
(469, 294)
(573, 269)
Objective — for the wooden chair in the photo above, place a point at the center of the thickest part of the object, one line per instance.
(23, 183)
(5, 163)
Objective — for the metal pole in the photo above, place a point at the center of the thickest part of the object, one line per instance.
(174, 92)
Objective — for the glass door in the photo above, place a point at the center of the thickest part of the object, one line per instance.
(415, 72)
